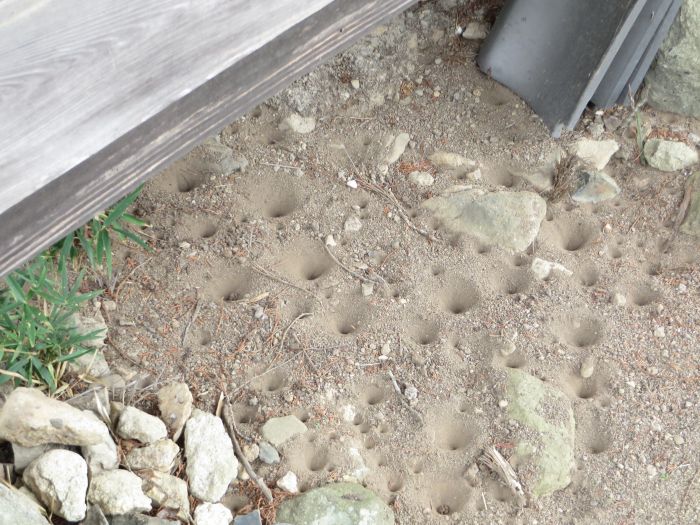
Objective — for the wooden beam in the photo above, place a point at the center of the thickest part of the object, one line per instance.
(71, 198)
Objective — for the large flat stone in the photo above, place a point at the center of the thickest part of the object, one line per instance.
(674, 82)
(509, 219)
(278, 430)
(548, 416)
(336, 504)
(16, 508)
(29, 418)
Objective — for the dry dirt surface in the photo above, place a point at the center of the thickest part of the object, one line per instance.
(246, 293)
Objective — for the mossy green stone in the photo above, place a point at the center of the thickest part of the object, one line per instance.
(336, 504)
(534, 403)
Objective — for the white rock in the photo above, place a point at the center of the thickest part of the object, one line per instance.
(411, 392)
(330, 241)
(421, 178)
(59, 480)
(103, 455)
(618, 299)
(475, 31)
(353, 224)
(212, 514)
(397, 148)
(211, 464)
(166, 491)
(543, 269)
(367, 289)
(355, 83)
(29, 418)
(289, 483)
(597, 153)
(298, 124)
(118, 492)
(175, 405)
(668, 155)
(18, 509)
(136, 424)
(352, 183)
(659, 331)
(588, 367)
(159, 455)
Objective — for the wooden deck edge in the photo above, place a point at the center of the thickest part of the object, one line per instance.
(71, 200)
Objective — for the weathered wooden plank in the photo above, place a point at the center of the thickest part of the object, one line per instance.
(72, 197)
(76, 74)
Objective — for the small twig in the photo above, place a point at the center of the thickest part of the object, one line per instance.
(405, 401)
(274, 165)
(270, 275)
(493, 460)
(194, 317)
(230, 424)
(126, 277)
(284, 336)
(354, 274)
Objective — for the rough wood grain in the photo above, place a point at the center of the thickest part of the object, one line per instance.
(84, 182)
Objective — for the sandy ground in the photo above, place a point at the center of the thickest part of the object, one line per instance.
(241, 257)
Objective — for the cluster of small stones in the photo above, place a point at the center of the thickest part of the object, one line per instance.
(109, 463)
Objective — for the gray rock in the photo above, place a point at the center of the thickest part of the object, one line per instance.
(596, 186)
(674, 82)
(93, 326)
(212, 514)
(175, 405)
(92, 364)
(59, 479)
(23, 456)
(544, 269)
(298, 124)
(596, 153)
(268, 453)
(252, 518)
(96, 401)
(421, 178)
(103, 455)
(94, 516)
(509, 219)
(667, 155)
(337, 503)
(133, 518)
(16, 508)
(211, 463)
(118, 492)
(278, 430)
(166, 491)
(159, 455)
(691, 223)
(220, 158)
(136, 424)
(547, 414)
(29, 418)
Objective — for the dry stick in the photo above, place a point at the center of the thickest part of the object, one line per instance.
(284, 336)
(405, 401)
(269, 275)
(497, 463)
(354, 274)
(124, 279)
(194, 317)
(231, 427)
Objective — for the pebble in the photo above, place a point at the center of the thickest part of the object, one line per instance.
(651, 470)
(352, 183)
(355, 83)
(421, 178)
(289, 483)
(587, 367)
(367, 289)
(386, 349)
(353, 224)
(268, 454)
(503, 403)
(298, 124)
(475, 31)
(618, 299)
(659, 331)
(411, 392)
(330, 241)
(678, 440)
